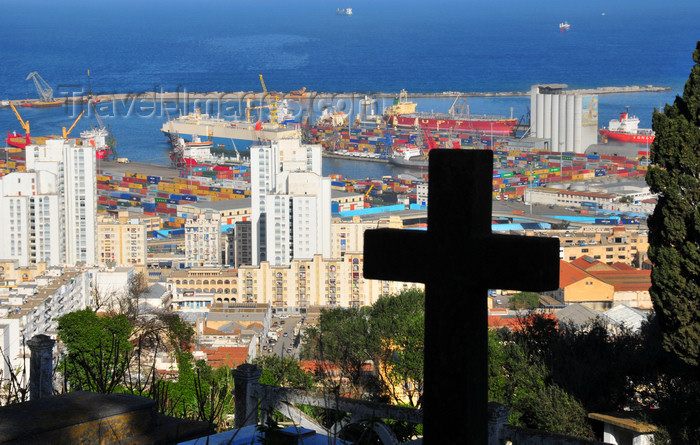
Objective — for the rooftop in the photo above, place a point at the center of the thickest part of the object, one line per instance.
(218, 206)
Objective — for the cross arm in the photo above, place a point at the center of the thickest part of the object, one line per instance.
(396, 255)
(525, 263)
(490, 262)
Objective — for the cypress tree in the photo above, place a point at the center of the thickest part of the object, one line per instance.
(674, 227)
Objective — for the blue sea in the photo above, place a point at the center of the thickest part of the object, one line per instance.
(386, 45)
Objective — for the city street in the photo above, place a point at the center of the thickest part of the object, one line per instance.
(287, 344)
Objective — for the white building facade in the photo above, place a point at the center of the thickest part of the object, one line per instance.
(203, 240)
(291, 203)
(51, 208)
(33, 308)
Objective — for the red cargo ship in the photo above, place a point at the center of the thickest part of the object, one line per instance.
(463, 123)
(625, 129)
(458, 119)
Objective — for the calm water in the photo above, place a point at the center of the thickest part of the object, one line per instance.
(211, 45)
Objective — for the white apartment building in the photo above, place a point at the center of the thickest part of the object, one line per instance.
(291, 203)
(203, 240)
(50, 209)
(111, 285)
(32, 308)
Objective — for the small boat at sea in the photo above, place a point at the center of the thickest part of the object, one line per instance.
(344, 11)
(564, 26)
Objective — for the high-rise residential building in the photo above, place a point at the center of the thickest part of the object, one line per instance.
(291, 203)
(121, 243)
(51, 208)
(203, 240)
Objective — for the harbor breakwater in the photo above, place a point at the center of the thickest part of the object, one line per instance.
(185, 96)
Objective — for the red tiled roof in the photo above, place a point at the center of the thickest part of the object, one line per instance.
(313, 366)
(230, 356)
(622, 266)
(585, 262)
(515, 323)
(625, 280)
(570, 274)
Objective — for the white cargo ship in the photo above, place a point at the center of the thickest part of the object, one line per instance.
(227, 134)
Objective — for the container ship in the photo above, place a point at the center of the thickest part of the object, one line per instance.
(626, 129)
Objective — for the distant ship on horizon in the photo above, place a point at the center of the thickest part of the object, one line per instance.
(344, 11)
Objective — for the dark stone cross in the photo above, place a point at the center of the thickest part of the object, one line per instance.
(459, 259)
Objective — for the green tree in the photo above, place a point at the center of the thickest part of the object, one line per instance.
(390, 334)
(279, 371)
(524, 300)
(399, 322)
(344, 337)
(99, 351)
(523, 383)
(674, 227)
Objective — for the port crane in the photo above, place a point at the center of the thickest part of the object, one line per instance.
(23, 123)
(42, 87)
(271, 101)
(429, 138)
(67, 132)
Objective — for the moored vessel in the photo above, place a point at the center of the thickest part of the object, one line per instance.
(226, 133)
(626, 129)
(402, 114)
(198, 153)
(409, 156)
(466, 123)
(97, 137)
(53, 103)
